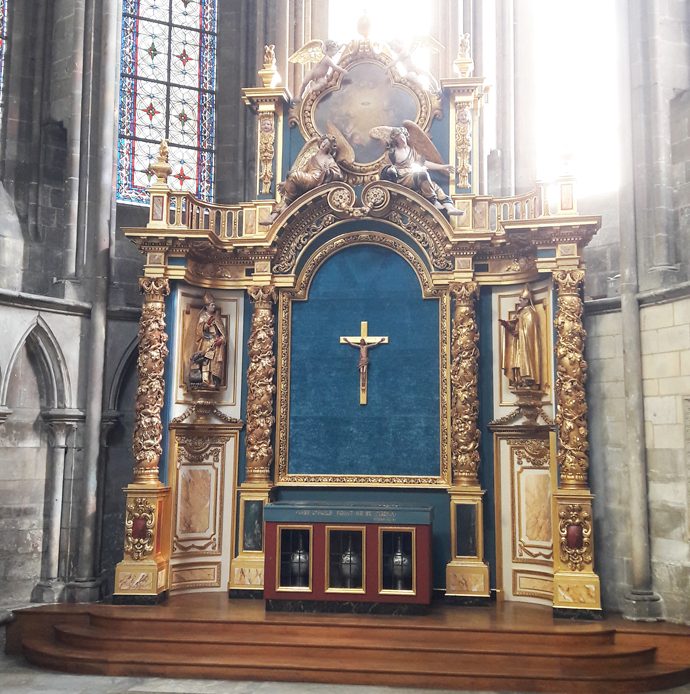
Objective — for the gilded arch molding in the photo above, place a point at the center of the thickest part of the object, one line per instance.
(318, 213)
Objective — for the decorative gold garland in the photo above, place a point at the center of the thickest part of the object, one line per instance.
(261, 386)
(571, 373)
(464, 355)
(148, 428)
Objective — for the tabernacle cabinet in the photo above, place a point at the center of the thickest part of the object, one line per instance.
(319, 555)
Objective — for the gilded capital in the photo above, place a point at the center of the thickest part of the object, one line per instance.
(263, 297)
(154, 289)
(464, 356)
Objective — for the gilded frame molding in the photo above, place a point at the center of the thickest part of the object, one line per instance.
(358, 53)
(329, 529)
(282, 473)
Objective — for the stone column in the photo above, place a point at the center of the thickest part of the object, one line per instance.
(467, 575)
(641, 602)
(101, 225)
(576, 586)
(60, 424)
(505, 95)
(143, 575)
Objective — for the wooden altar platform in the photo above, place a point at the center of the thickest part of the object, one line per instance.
(505, 646)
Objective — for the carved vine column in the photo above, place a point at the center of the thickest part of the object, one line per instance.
(576, 586)
(467, 575)
(143, 574)
(247, 571)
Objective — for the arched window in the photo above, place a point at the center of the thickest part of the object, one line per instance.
(167, 90)
(3, 46)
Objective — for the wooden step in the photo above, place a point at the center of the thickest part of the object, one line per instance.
(45, 652)
(335, 632)
(355, 655)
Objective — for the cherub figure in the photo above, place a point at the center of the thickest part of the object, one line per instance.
(324, 55)
(315, 165)
(412, 155)
(410, 70)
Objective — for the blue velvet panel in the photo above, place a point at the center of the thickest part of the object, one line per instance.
(397, 432)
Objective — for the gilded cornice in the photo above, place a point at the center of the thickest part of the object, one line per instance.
(223, 254)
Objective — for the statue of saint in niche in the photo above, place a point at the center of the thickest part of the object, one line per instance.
(522, 353)
(412, 155)
(207, 362)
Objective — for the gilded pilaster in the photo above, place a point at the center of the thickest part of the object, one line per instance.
(261, 385)
(143, 574)
(467, 575)
(575, 584)
(464, 355)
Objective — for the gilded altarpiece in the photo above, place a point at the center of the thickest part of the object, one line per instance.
(408, 339)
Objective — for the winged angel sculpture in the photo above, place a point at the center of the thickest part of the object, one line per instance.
(316, 164)
(412, 155)
(324, 55)
(406, 65)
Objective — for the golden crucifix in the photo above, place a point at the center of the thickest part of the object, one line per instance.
(364, 343)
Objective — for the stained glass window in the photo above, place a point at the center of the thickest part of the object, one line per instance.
(3, 46)
(167, 90)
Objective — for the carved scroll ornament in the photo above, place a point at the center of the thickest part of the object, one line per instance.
(464, 355)
(575, 531)
(261, 385)
(571, 373)
(139, 525)
(148, 428)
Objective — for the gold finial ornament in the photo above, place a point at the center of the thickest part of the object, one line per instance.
(161, 168)
(463, 63)
(268, 74)
(364, 26)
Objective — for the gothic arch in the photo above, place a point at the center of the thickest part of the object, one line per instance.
(127, 361)
(44, 346)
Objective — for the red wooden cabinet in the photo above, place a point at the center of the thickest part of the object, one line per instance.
(350, 553)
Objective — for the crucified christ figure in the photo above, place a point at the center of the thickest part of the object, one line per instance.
(364, 343)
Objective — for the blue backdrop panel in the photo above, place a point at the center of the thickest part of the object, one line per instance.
(397, 432)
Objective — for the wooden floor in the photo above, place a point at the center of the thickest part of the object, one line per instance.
(508, 646)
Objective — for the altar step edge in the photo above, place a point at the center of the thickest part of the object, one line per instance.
(652, 676)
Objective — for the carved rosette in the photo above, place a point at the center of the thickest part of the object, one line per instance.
(575, 531)
(464, 359)
(261, 386)
(267, 137)
(140, 521)
(148, 428)
(571, 373)
(463, 144)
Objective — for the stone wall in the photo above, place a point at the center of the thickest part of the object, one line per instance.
(23, 453)
(666, 381)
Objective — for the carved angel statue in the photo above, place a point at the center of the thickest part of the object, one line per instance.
(315, 165)
(412, 155)
(408, 68)
(324, 55)
(269, 56)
